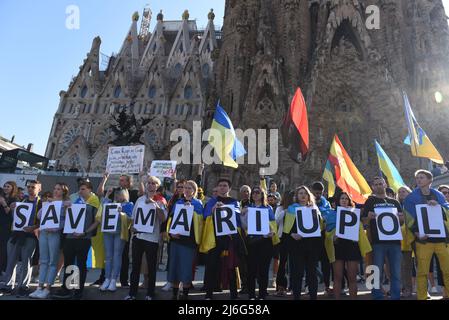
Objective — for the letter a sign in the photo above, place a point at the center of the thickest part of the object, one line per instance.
(182, 220)
(51, 215)
(225, 221)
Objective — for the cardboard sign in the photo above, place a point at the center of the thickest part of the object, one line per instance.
(182, 220)
(145, 218)
(123, 160)
(22, 216)
(110, 216)
(225, 221)
(51, 215)
(308, 222)
(163, 169)
(75, 218)
(430, 221)
(388, 224)
(348, 223)
(258, 221)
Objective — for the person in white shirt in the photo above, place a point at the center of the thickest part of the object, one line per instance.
(281, 279)
(147, 243)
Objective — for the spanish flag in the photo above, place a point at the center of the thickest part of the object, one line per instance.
(222, 137)
(348, 177)
(418, 140)
(328, 176)
(295, 130)
(388, 169)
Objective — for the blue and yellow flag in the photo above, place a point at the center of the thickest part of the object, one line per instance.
(224, 140)
(328, 176)
(418, 140)
(388, 169)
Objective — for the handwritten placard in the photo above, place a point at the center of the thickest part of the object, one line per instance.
(163, 169)
(127, 159)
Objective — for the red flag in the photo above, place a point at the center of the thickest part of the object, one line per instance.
(296, 128)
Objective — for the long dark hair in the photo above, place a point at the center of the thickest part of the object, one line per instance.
(351, 202)
(262, 193)
(287, 199)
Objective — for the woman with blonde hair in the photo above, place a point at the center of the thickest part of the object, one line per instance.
(303, 252)
(183, 248)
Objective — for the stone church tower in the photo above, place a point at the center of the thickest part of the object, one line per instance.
(351, 76)
(164, 75)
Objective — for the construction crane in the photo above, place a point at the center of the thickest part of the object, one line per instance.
(146, 20)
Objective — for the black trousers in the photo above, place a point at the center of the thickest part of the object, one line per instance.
(124, 271)
(213, 273)
(139, 247)
(4, 238)
(259, 259)
(76, 250)
(281, 278)
(304, 255)
(243, 265)
(325, 265)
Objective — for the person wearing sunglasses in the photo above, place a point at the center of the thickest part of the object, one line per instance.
(260, 248)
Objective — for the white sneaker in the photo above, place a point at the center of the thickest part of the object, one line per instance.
(105, 285)
(113, 286)
(36, 293)
(148, 298)
(43, 294)
(167, 287)
(273, 283)
(434, 290)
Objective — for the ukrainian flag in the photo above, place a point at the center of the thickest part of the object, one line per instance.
(224, 140)
(388, 169)
(328, 176)
(418, 140)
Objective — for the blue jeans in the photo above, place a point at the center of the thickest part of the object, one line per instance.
(113, 249)
(49, 250)
(394, 255)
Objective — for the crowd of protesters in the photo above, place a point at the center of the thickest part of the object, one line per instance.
(239, 262)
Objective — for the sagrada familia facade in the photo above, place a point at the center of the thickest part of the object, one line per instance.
(351, 75)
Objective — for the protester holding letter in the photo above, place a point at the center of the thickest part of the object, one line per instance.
(148, 214)
(8, 197)
(384, 249)
(304, 252)
(344, 251)
(426, 244)
(260, 246)
(222, 250)
(325, 207)
(76, 245)
(22, 244)
(281, 279)
(114, 240)
(183, 247)
(50, 239)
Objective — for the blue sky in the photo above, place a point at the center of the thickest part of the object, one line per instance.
(39, 55)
